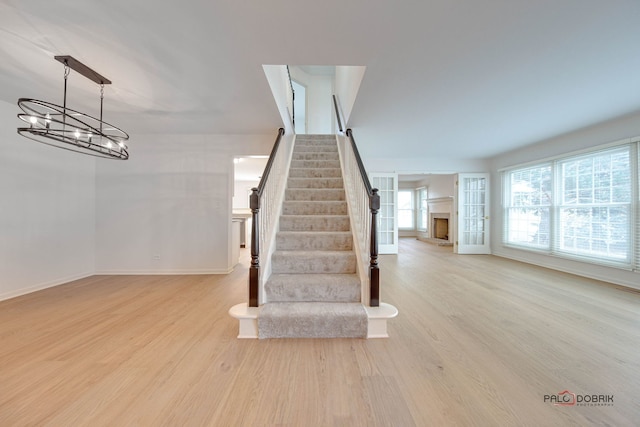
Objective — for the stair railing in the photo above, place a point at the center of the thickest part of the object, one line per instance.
(265, 202)
(364, 204)
(292, 101)
(335, 105)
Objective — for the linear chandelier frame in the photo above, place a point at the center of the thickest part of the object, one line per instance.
(63, 127)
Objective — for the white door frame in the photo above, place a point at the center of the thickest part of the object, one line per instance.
(472, 225)
(387, 185)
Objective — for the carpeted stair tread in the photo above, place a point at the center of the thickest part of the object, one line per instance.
(306, 207)
(312, 320)
(333, 164)
(316, 148)
(316, 156)
(316, 138)
(313, 288)
(314, 194)
(314, 240)
(315, 262)
(314, 223)
(315, 173)
(315, 182)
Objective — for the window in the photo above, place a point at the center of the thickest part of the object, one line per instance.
(594, 205)
(405, 209)
(528, 207)
(423, 207)
(578, 206)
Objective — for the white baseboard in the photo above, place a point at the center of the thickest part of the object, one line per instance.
(41, 286)
(604, 277)
(62, 281)
(160, 272)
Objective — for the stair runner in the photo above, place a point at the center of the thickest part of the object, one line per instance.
(314, 291)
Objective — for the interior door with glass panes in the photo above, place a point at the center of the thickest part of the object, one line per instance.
(387, 185)
(472, 227)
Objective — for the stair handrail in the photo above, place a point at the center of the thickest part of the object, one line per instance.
(255, 203)
(293, 100)
(374, 207)
(335, 105)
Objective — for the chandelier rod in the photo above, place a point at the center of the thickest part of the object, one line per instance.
(64, 100)
(82, 69)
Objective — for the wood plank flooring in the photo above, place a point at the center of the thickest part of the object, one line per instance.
(479, 341)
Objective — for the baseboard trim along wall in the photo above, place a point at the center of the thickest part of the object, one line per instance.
(42, 286)
(160, 272)
(631, 283)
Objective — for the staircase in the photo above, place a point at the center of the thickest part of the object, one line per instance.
(313, 291)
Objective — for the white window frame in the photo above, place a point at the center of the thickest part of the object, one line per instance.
(411, 192)
(529, 213)
(556, 246)
(422, 208)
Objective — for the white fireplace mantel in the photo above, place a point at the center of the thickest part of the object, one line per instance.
(441, 207)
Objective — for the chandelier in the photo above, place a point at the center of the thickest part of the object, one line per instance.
(69, 129)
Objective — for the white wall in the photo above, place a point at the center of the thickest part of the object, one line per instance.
(348, 79)
(168, 209)
(320, 117)
(439, 185)
(420, 163)
(625, 127)
(47, 212)
(278, 79)
(241, 191)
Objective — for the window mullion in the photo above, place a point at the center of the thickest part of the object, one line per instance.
(635, 204)
(557, 195)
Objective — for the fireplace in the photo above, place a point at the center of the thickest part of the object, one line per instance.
(441, 228)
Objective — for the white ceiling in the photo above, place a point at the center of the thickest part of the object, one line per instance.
(467, 78)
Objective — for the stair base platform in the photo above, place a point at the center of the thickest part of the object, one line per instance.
(376, 328)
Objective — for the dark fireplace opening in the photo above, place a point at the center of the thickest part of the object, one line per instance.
(441, 228)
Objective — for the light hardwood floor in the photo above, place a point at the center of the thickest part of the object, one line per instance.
(479, 341)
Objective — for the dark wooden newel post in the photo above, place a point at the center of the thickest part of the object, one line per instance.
(374, 271)
(254, 269)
